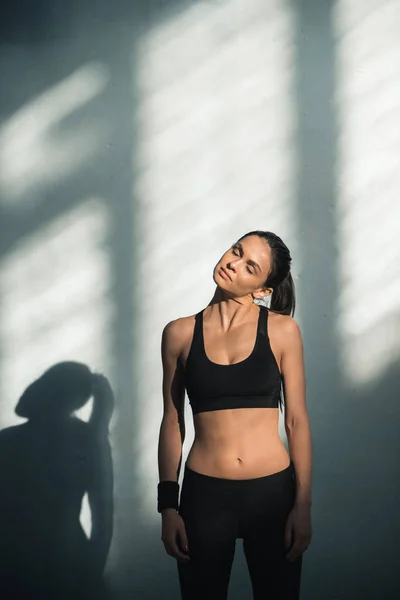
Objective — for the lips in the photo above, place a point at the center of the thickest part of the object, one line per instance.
(224, 274)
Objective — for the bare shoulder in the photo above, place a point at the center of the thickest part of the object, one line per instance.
(283, 327)
(176, 333)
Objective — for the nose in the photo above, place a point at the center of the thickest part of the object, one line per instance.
(231, 265)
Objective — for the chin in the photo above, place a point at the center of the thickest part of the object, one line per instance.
(218, 280)
(215, 279)
(215, 275)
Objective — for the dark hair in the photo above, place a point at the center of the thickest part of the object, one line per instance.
(283, 298)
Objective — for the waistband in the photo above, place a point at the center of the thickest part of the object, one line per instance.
(289, 470)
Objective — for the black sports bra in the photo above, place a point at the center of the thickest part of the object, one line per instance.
(254, 382)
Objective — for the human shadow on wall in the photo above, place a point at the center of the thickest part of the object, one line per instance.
(46, 466)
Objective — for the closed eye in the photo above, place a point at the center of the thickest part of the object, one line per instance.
(237, 252)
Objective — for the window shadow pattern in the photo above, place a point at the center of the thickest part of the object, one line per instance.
(356, 444)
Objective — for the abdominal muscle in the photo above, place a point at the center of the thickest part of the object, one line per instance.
(242, 443)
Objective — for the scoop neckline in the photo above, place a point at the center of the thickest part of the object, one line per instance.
(231, 364)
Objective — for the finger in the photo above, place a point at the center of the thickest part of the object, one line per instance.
(181, 556)
(293, 554)
(297, 549)
(174, 551)
(288, 536)
(183, 540)
(294, 550)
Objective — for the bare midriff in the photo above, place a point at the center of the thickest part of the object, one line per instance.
(243, 443)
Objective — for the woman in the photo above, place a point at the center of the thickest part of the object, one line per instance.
(47, 464)
(235, 358)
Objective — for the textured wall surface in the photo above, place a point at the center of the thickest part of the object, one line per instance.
(138, 140)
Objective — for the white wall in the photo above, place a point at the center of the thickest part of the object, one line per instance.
(135, 145)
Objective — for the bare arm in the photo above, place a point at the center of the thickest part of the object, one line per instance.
(297, 423)
(172, 430)
(172, 435)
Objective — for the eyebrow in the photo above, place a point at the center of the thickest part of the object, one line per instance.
(251, 262)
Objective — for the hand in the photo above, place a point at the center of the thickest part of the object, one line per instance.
(298, 531)
(101, 385)
(174, 535)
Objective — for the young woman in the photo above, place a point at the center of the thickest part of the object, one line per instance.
(235, 358)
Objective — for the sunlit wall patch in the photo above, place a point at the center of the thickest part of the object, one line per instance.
(37, 149)
(55, 301)
(215, 127)
(368, 176)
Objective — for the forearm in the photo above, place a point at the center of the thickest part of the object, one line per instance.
(300, 449)
(170, 444)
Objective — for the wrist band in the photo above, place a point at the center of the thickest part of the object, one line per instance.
(168, 492)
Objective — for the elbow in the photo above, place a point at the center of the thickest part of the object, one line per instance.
(288, 429)
(170, 422)
(294, 423)
(290, 423)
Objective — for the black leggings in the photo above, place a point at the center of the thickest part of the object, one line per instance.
(218, 511)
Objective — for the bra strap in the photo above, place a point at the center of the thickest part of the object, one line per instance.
(198, 326)
(262, 321)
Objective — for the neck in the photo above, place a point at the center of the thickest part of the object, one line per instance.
(229, 310)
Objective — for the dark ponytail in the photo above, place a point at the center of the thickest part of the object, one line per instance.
(103, 405)
(283, 298)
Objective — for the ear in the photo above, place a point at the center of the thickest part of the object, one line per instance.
(262, 293)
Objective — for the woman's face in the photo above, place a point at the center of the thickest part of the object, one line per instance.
(244, 268)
